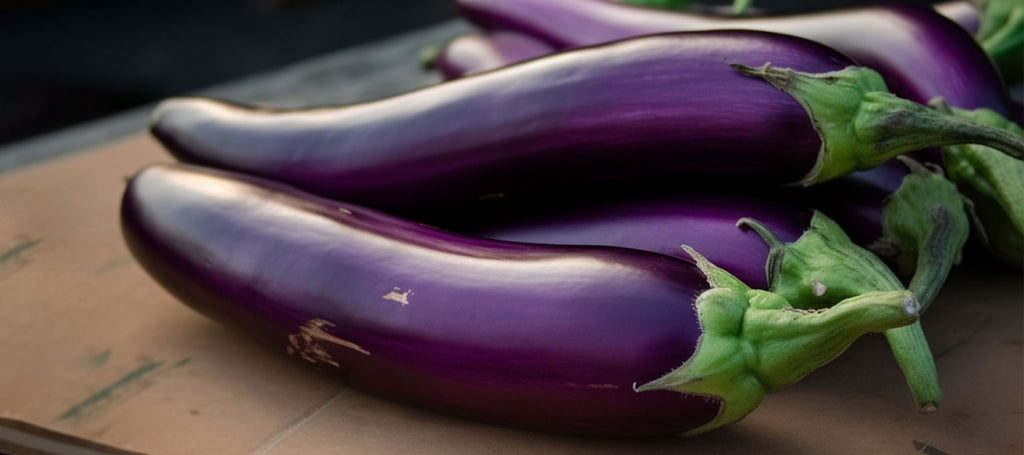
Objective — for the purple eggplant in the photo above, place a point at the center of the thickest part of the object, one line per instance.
(666, 107)
(963, 12)
(486, 50)
(472, 53)
(586, 340)
(920, 53)
(653, 220)
(632, 108)
(871, 213)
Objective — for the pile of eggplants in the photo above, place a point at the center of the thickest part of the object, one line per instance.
(636, 235)
(921, 52)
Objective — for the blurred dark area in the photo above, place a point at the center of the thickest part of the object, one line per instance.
(63, 62)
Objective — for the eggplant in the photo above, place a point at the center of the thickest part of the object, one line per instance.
(493, 48)
(963, 12)
(667, 107)
(572, 339)
(920, 227)
(657, 220)
(475, 52)
(920, 53)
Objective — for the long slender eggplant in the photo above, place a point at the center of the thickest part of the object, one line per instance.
(658, 220)
(920, 53)
(590, 340)
(669, 107)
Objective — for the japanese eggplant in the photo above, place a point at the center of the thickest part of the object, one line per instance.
(920, 53)
(584, 340)
(700, 105)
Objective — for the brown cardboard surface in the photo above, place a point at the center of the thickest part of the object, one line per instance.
(93, 349)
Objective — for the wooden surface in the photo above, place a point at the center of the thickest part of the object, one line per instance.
(93, 349)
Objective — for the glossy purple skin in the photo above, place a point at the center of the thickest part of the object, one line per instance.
(544, 337)
(919, 52)
(662, 221)
(655, 107)
(473, 53)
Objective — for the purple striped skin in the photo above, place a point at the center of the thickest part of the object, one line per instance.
(919, 52)
(462, 54)
(662, 221)
(657, 107)
(544, 337)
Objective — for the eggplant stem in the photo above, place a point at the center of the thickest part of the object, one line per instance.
(926, 217)
(917, 129)
(776, 247)
(863, 125)
(755, 342)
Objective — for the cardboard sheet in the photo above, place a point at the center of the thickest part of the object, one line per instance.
(98, 357)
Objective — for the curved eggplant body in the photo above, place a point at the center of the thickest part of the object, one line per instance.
(659, 107)
(473, 53)
(919, 52)
(658, 223)
(664, 221)
(545, 337)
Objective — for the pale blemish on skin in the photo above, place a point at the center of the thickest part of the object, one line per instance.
(397, 295)
(818, 288)
(309, 343)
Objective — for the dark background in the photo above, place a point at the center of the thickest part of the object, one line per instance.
(66, 61)
(63, 62)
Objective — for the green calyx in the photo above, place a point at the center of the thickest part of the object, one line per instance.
(925, 222)
(993, 182)
(755, 341)
(862, 124)
(823, 266)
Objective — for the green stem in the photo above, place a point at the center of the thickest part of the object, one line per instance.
(740, 7)
(993, 182)
(925, 226)
(862, 125)
(925, 222)
(910, 348)
(755, 342)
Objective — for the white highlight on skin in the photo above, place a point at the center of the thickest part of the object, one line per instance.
(397, 295)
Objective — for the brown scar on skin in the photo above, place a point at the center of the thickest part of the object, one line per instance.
(309, 342)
